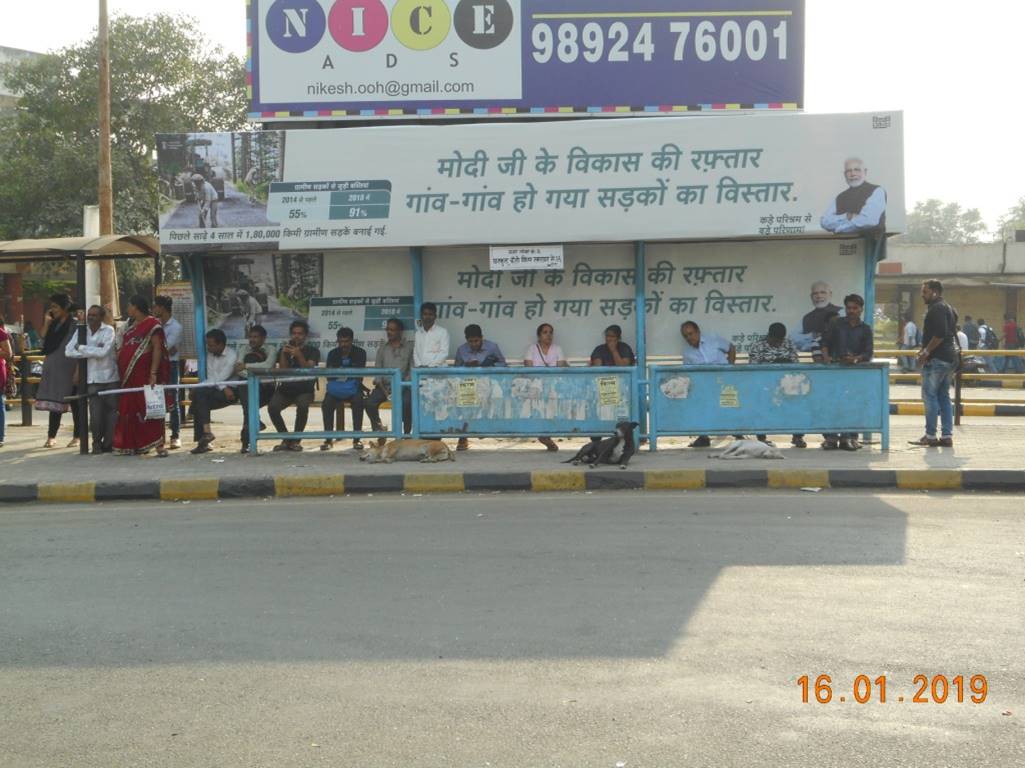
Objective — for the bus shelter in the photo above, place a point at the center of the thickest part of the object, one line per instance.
(642, 223)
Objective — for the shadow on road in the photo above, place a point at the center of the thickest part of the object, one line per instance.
(604, 575)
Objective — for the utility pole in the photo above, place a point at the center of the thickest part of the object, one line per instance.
(108, 276)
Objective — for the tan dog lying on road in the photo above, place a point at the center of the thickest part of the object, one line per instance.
(426, 451)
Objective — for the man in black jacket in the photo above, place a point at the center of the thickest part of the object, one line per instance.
(938, 359)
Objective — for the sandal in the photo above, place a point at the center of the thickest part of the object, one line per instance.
(327, 445)
(51, 442)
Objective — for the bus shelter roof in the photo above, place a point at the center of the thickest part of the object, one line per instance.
(60, 248)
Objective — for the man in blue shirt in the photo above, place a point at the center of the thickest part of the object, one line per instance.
(477, 352)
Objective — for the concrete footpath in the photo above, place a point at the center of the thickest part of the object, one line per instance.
(988, 454)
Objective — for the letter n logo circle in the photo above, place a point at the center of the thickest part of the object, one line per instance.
(295, 26)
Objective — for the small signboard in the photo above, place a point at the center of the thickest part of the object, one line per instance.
(527, 257)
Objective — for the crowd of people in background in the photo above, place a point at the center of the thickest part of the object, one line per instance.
(146, 352)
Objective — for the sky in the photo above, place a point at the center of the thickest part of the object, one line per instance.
(954, 69)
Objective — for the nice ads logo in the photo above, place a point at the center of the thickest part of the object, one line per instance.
(368, 57)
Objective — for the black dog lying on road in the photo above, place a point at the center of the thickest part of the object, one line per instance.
(611, 450)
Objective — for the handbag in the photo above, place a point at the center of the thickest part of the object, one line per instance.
(156, 405)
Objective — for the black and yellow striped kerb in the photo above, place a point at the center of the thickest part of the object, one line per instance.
(292, 486)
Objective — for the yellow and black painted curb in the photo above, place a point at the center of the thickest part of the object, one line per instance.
(291, 486)
(967, 409)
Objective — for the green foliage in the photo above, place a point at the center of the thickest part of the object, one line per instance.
(1012, 220)
(164, 78)
(43, 288)
(933, 221)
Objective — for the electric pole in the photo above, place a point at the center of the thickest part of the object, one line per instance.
(108, 276)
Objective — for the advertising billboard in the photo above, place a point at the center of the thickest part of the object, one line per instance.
(672, 178)
(393, 59)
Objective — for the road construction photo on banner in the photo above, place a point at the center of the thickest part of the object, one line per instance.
(773, 175)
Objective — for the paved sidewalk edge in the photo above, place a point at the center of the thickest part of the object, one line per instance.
(291, 486)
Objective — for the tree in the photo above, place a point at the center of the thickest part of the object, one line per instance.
(1012, 220)
(933, 221)
(164, 78)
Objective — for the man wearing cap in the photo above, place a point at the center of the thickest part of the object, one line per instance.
(206, 197)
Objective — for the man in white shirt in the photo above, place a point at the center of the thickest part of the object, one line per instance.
(162, 307)
(206, 197)
(705, 349)
(98, 350)
(430, 346)
(220, 366)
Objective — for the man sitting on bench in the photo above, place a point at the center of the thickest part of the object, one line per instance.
(220, 365)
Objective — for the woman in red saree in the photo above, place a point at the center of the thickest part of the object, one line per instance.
(142, 362)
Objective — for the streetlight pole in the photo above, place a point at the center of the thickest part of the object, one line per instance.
(108, 277)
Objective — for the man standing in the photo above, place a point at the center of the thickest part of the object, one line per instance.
(102, 375)
(259, 356)
(206, 197)
(938, 358)
(860, 207)
(988, 340)
(220, 366)
(477, 352)
(849, 341)
(776, 349)
(705, 349)
(1012, 340)
(295, 354)
(162, 306)
(909, 340)
(971, 330)
(430, 346)
(347, 390)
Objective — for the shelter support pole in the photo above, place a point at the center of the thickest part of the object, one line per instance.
(82, 403)
(416, 261)
(195, 263)
(875, 249)
(641, 317)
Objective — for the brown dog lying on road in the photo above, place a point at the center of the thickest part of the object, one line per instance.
(425, 451)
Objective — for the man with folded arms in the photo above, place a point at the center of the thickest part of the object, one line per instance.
(102, 375)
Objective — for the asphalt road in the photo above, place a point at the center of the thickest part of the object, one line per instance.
(511, 630)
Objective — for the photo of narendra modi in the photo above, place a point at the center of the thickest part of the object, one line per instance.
(859, 208)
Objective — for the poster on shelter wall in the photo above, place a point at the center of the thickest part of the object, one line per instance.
(785, 175)
(732, 290)
(271, 290)
(214, 188)
(501, 59)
